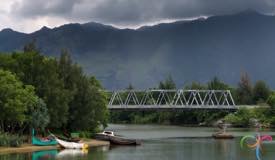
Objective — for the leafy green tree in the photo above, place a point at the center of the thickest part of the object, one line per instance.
(168, 83)
(16, 100)
(196, 86)
(7, 62)
(240, 118)
(130, 87)
(42, 73)
(261, 92)
(271, 103)
(67, 94)
(271, 100)
(40, 116)
(244, 91)
(99, 102)
(89, 106)
(217, 84)
(69, 72)
(30, 47)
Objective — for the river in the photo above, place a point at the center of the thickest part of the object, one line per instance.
(161, 142)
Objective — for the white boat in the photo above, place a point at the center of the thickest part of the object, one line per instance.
(71, 145)
(105, 135)
(109, 133)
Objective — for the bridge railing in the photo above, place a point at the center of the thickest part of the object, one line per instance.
(171, 98)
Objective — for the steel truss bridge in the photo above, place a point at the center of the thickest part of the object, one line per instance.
(170, 99)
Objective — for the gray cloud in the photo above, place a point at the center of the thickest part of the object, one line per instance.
(135, 12)
(34, 8)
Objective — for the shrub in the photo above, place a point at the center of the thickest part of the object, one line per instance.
(85, 134)
(8, 140)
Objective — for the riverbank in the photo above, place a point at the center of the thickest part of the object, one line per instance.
(31, 148)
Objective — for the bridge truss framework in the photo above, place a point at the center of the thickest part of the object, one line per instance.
(170, 99)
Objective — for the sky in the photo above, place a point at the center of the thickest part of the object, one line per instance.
(30, 15)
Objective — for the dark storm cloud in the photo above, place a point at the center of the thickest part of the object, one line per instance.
(34, 8)
(133, 12)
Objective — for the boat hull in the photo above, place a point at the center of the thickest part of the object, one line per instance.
(38, 142)
(71, 145)
(222, 136)
(123, 141)
(102, 137)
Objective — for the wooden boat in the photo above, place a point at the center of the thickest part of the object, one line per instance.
(71, 145)
(105, 135)
(222, 135)
(42, 142)
(66, 137)
(39, 142)
(123, 141)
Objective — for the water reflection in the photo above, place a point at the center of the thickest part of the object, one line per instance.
(44, 155)
(15, 157)
(71, 153)
(156, 146)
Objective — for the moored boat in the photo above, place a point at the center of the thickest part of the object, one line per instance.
(42, 142)
(46, 142)
(123, 141)
(68, 139)
(222, 135)
(65, 137)
(71, 145)
(105, 135)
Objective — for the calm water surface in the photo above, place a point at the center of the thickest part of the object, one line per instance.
(162, 143)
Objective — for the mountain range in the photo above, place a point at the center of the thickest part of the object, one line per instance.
(197, 50)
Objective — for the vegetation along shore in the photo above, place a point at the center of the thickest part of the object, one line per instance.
(30, 148)
(49, 93)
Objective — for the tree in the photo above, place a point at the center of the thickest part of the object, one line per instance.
(130, 87)
(30, 47)
(261, 92)
(168, 83)
(240, 118)
(196, 86)
(40, 116)
(16, 101)
(216, 84)
(42, 72)
(244, 91)
(88, 103)
(89, 106)
(68, 71)
(67, 95)
(271, 103)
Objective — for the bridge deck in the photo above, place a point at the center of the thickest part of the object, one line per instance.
(179, 107)
(170, 107)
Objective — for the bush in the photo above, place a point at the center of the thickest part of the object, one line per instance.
(85, 134)
(3, 139)
(240, 118)
(8, 140)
